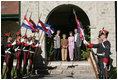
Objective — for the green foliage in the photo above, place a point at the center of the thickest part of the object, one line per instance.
(49, 46)
(113, 73)
(84, 54)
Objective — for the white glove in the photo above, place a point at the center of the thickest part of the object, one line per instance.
(22, 40)
(38, 45)
(85, 42)
(14, 43)
(16, 48)
(23, 48)
(30, 43)
(105, 64)
(6, 51)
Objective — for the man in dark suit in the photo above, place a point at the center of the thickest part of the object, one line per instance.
(77, 45)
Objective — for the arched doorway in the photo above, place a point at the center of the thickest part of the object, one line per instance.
(62, 18)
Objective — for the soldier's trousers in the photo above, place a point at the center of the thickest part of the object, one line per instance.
(19, 63)
(103, 74)
(9, 65)
(31, 62)
(25, 59)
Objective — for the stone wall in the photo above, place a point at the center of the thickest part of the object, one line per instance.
(101, 14)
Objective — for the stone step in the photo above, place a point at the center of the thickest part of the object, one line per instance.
(75, 69)
(70, 71)
(67, 63)
(65, 76)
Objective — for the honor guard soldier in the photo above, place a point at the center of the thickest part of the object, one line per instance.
(103, 52)
(18, 54)
(25, 52)
(9, 55)
(32, 51)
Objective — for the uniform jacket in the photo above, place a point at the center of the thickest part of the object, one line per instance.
(33, 47)
(9, 48)
(25, 47)
(18, 45)
(103, 48)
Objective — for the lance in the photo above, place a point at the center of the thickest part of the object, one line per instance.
(88, 51)
(25, 33)
(33, 35)
(21, 25)
(22, 43)
(16, 37)
(37, 47)
(41, 42)
(38, 42)
(39, 37)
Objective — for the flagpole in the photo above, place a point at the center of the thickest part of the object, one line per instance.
(16, 38)
(38, 42)
(39, 37)
(41, 42)
(33, 35)
(24, 36)
(88, 52)
(93, 58)
(23, 20)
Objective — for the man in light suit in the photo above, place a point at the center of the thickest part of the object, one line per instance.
(77, 45)
(57, 46)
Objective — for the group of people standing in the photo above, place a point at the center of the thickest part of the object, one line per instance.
(23, 49)
(73, 44)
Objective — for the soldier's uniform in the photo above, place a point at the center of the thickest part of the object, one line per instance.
(9, 58)
(32, 51)
(25, 53)
(103, 53)
(18, 57)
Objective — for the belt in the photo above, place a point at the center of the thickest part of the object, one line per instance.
(31, 51)
(25, 50)
(7, 52)
(99, 54)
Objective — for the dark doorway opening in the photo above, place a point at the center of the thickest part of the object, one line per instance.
(62, 18)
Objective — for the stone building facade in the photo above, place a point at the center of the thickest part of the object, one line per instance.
(100, 13)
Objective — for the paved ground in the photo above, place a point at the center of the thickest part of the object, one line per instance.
(66, 70)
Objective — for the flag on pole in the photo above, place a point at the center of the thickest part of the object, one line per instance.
(80, 30)
(33, 24)
(43, 27)
(49, 28)
(28, 25)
